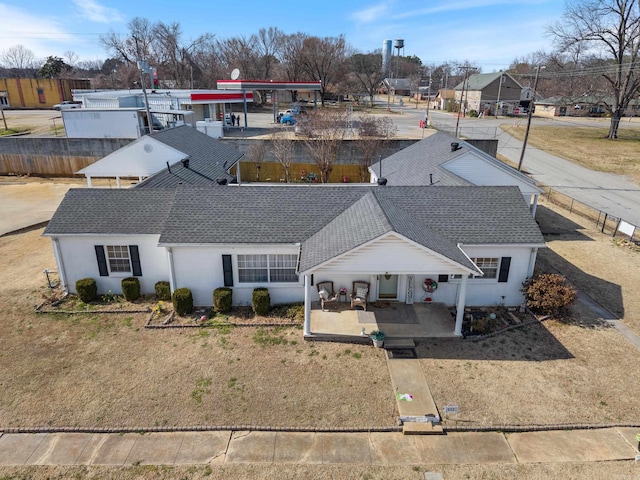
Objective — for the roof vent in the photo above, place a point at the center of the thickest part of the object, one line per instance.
(185, 162)
(455, 146)
(221, 181)
(382, 181)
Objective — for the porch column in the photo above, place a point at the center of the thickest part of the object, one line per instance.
(57, 253)
(88, 181)
(307, 306)
(462, 297)
(118, 182)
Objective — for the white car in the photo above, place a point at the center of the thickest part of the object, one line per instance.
(66, 105)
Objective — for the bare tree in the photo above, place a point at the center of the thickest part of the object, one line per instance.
(292, 63)
(611, 30)
(282, 148)
(323, 131)
(373, 134)
(136, 45)
(323, 60)
(239, 52)
(255, 155)
(18, 57)
(269, 43)
(367, 68)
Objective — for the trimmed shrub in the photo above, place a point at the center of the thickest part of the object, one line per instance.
(163, 290)
(87, 289)
(222, 300)
(182, 301)
(131, 288)
(261, 301)
(548, 294)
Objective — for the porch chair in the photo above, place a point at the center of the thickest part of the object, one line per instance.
(326, 293)
(360, 294)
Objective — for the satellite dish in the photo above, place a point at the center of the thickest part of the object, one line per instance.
(235, 74)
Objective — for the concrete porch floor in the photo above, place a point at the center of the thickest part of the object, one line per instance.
(340, 323)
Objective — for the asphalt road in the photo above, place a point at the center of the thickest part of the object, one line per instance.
(613, 194)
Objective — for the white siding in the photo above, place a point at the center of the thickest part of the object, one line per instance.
(390, 254)
(488, 291)
(200, 269)
(79, 261)
(479, 172)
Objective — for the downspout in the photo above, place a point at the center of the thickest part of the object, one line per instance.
(532, 262)
(57, 253)
(534, 207)
(172, 273)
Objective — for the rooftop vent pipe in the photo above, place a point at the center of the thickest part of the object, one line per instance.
(382, 181)
(455, 146)
(221, 181)
(185, 162)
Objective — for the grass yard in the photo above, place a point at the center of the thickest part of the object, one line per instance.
(588, 146)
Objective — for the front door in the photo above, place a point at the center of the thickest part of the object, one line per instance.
(388, 287)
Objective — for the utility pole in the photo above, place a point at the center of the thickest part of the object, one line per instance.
(143, 65)
(461, 109)
(531, 107)
(499, 90)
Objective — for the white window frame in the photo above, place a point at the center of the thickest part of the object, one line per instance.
(266, 268)
(116, 255)
(490, 266)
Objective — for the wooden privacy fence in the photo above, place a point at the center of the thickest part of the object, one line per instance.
(298, 172)
(607, 223)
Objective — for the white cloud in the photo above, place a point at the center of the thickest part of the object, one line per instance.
(94, 12)
(39, 34)
(371, 14)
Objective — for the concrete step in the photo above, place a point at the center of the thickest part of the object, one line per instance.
(421, 428)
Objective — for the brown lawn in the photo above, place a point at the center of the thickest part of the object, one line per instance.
(588, 146)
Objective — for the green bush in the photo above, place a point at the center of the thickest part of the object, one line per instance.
(261, 301)
(222, 300)
(548, 294)
(131, 288)
(182, 301)
(163, 290)
(473, 113)
(87, 289)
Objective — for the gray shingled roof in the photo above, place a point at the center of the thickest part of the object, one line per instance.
(111, 211)
(479, 81)
(326, 219)
(209, 159)
(412, 165)
(423, 162)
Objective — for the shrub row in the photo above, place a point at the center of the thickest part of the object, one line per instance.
(182, 298)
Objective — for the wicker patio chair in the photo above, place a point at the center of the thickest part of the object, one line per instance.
(360, 294)
(326, 293)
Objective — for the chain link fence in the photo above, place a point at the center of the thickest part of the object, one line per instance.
(607, 223)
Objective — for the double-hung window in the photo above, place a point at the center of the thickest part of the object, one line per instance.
(267, 268)
(489, 266)
(118, 257)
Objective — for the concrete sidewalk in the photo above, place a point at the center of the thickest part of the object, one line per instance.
(243, 447)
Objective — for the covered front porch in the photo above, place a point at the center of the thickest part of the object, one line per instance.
(396, 319)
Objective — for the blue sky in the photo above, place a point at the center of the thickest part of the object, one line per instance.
(489, 32)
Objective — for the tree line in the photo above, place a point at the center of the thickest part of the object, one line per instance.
(596, 53)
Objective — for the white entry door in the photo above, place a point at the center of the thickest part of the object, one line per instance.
(388, 287)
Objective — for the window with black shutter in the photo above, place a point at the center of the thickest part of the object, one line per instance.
(102, 261)
(503, 275)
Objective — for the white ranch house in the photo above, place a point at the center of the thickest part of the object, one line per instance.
(479, 242)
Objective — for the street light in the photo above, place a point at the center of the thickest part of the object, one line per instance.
(531, 106)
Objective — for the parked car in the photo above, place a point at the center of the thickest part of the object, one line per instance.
(287, 120)
(67, 105)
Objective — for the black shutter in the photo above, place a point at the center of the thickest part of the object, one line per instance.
(102, 261)
(443, 278)
(135, 260)
(504, 269)
(227, 270)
